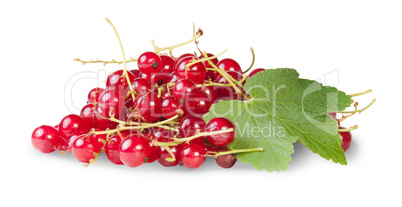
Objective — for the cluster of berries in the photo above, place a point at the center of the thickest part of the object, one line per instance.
(154, 113)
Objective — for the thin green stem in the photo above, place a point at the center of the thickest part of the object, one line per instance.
(221, 73)
(344, 117)
(122, 126)
(252, 62)
(178, 141)
(170, 48)
(193, 62)
(124, 58)
(360, 110)
(348, 129)
(234, 80)
(245, 76)
(361, 93)
(172, 158)
(236, 151)
(203, 134)
(162, 122)
(105, 62)
(213, 84)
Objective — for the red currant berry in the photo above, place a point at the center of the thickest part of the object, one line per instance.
(160, 78)
(167, 93)
(163, 154)
(141, 86)
(85, 147)
(112, 102)
(184, 88)
(208, 78)
(87, 113)
(45, 138)
(148, 106)
(236, 75)
(333, 114)
(219, 124)
(211, 74)
(192, 156)
(228, 65)
(72, 124)
(149, 62)
(71, 140)
(228, 93)
(214, 61)
(195, 72)
(136, 73)
(153, 153)
(210, 92)
(162, 135)
(174, 78)
(170, 106)
(118, 81)
(167, 63)
(199, 104)
(255, 71)
(226, 161)
(93, 95)
(101, 120)
(62, 145)
(102, 138)
(134, 150)
(185, 55)
(346, 139)
(189, 126)
(145, 76)
(112, 149)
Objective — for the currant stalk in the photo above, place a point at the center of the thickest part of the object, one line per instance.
(228, 77)
(124, 58)
(361, 93)
(170, 48)
(359, 110)
(252, 62)
(122, 127)
(193, 62)
(237, 151)
(178, 141)
(348, 129)
(105, 62)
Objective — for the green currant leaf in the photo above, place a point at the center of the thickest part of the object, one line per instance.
(284, 109)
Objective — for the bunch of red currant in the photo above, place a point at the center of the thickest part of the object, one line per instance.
(154, 113)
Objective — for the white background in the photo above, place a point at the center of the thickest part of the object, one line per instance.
(40, 39)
